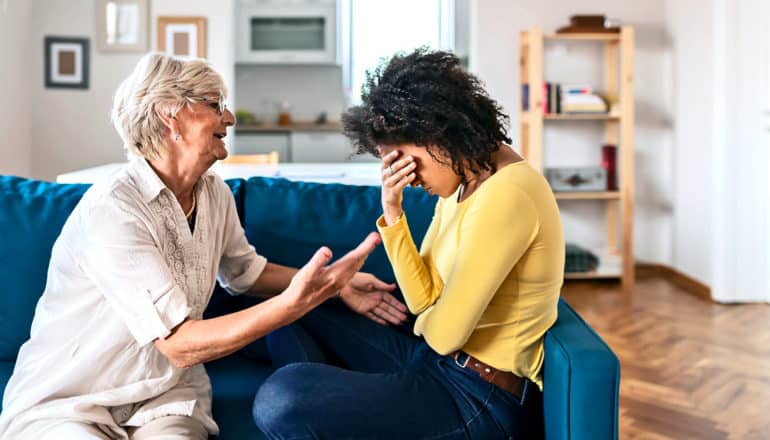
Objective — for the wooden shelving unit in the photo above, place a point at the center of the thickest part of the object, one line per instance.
(616, 261)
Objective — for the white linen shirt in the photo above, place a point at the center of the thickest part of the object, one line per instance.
(125, 271)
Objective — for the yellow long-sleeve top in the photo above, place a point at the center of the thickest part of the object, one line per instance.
(487, 277)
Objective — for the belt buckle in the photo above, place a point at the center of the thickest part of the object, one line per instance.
(464, 363)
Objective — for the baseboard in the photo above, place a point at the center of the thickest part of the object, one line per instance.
(685, 282)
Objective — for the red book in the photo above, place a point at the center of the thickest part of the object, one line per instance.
(609, 163)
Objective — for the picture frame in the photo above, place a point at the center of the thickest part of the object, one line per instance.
(122, 25)
(182, 36)
(66, 62)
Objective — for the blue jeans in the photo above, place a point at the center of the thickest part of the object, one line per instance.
(389, 385)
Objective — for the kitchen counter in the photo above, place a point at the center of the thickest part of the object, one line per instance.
(297, 126)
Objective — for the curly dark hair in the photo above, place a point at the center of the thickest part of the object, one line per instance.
(428, 99)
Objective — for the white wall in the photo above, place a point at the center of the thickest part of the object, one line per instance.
(220, 38)
(15, 80)
(693, 54)
(495, 27)
(71, 129)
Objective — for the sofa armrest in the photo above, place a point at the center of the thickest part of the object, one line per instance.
(581, 381)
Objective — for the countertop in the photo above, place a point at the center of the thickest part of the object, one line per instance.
(296, 126)
(347, 173)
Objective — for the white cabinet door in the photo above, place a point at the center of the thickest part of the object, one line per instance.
(257, 143)
(323, 147)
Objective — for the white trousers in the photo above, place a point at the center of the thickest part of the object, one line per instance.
(162, 428)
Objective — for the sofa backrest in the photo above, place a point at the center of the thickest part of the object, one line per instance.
(288, 221)
(32, 214)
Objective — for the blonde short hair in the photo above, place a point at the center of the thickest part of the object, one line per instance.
(159, 83)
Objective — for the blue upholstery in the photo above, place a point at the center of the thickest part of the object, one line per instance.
(287, 221)
(6, 368)
(31, 215)
(235, 380)
(581, 379)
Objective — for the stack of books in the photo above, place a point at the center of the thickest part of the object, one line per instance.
(563, 98)
(581, 99)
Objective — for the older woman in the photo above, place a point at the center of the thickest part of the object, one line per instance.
(118, 340)
(485, 283)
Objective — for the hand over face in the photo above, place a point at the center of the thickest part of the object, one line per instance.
(316, 281)
(369, 296)
(396, 175)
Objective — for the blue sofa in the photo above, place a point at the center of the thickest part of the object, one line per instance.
(286, 221)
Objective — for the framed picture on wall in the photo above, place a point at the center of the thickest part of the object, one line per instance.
(182, 36)
(121, 25)
(66, 62)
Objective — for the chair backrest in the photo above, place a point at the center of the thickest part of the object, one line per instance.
(270, 158)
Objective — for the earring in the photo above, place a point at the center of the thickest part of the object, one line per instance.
(176, 136)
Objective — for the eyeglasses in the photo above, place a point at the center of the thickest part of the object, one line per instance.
(219, 105)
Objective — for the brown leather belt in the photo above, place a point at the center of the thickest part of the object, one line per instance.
(504, 380)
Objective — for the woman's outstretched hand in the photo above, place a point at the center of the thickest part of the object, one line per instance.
(396, 175)
(318, 281)
(369, 296)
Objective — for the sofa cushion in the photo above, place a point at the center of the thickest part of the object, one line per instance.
(287, 221)
(581, 376)
(32, 214)
(6, 368)
(235, 380)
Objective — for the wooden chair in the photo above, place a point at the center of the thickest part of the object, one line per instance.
(253, 159)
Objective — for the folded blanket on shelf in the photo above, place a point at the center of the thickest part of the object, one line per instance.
(579, 259)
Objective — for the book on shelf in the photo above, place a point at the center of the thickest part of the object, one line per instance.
(566, 99)
(577, 89)
(525, 97)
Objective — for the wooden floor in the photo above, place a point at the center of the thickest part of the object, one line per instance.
(690, 369)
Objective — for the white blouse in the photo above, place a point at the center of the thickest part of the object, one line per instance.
(125, 271)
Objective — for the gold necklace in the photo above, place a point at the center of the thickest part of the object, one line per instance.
(192, 208)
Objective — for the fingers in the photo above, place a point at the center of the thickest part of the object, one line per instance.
(348, 265)
(377, 284)
(398, 185)
(320, 259)
(365, 247)
(391, 300)
(395, 166)
(405, 173)
(387, 160)
(389, 313)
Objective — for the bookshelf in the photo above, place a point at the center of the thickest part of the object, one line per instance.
(616, 260)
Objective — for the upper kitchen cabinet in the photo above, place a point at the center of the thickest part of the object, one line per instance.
(286, 32)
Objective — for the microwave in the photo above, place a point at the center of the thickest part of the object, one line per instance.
(286, 32)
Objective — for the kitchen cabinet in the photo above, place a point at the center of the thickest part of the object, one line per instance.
(299, 145)
(257, 143)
